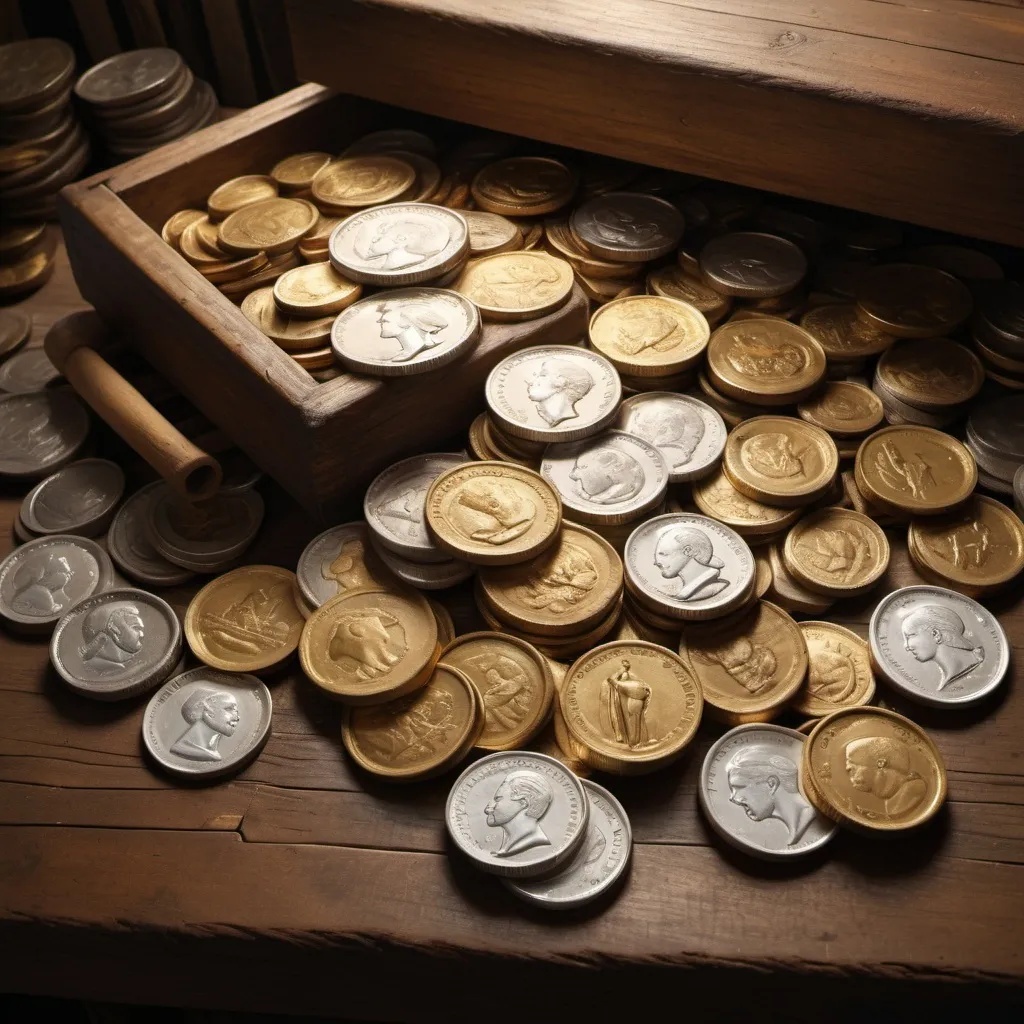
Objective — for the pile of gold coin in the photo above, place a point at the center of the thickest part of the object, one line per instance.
(27, 253)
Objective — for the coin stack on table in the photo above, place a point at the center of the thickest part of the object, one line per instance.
(141, 99)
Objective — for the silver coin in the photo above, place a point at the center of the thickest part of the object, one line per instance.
(116, 644)
(131, 549)
(79, 498)
(405, 331)
(689, 566)
(425, 575)
(750, 793)
(40, 432)
(937, 646)
(991, 467)
(898, 411)
(399, 244)
(689, 434)
(1018, 491)
(599, 864)
(997, 427)
(42, 579)
(752, 263)
(332, 562)
(628, 227)
(1002, 318)
(27, 371)
(517, 813)
(394, 505)
(609, 479)
(553, 393)
(206, 723)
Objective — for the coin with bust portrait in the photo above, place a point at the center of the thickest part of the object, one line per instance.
(839, 671)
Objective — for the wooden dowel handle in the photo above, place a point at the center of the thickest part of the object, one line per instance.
(187, 468)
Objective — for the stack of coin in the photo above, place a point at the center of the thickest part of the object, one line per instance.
(488, 442)
(27, 251)
(847, 338)
(846, 410)
(42, 146)
(999, 334)
(15, 330)
(763, 269)
(995, 437)
(141, 99)
(759, 524)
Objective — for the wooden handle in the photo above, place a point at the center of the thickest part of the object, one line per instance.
(187, 468)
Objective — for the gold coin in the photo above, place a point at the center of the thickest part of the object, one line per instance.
(786, 592)
(276, 266)
(445, 626)
(358, 181)
(233, 270)
(555, 741)
(478, 442)
(981, 546)
(780, 460)
(931, 373)
(568, 589)
(419, 735)
(319, 236)
(673, 282)
(18, 239)
(873, 769)
(176, 224)
(843, 333)
(912, 301)
(603, 289)
(631, 707)
(762, 574)
(199, 244)
(27, 274)
(765, 362)
(272, 226)
(750, 669)
(490, 233)
(369, 646)
(523, 186)
(837, 552)
(515, 286)
(314, 290)
(649, 336)
(513, 683)
(843, 408)
(239, 192)
(296, 172)
(565, 245)
(290, 333)
(839, 671)
(493, 513)
(317, 359)
(428, 176)
(715, 496)
(245, 620)
(914, 469)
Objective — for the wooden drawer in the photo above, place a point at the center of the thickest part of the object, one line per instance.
(322, 441)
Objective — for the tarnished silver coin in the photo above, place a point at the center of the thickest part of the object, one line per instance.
(517, 813)
(753, 264)
(130, 77)
(394, 505)
(334, 561)
(553, 393)
(80, 499)
(425, 575)
(750, 793)
(40, 432)
(399, 244)
(628, 227)
(1001, 319)
(599, 864)
(117, 644)
(689, 434)
(688, 566)
(405, 331)
(44, 578)
(937, 646)
(205, 723)
(609, 479)
(27, 371)
(996, 430)
(131, 549)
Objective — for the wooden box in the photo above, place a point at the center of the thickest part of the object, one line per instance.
(322, 441)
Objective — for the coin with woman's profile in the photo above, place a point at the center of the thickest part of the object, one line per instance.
(513, 286)
(838, 672)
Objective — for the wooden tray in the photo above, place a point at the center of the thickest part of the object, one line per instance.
(323, 442)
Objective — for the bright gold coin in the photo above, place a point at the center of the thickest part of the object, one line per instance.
(672, 282)
(981, 546)
(515, 286)
(839, 672)
(843, 408)
(320, 235)
(239, 192)
(513, 682)
(359, 181)
(233, 269)
(295, 173)
(763, 574)
(445, 625)
(523, 186)
(631, 707)
(419, 735)
(780, 460)
(245, 620)
(837, 552)
(751, 668)
(568, 589)
(428, 176)
(272, 226)
(176, 224)
(290, 333)
(493, 513)
(314, 290)
(914, 469)
(843, 333)
(199, 244)
(715, 496)
(369, 646)
(874, 770)
(931, 373)
(649, 336)
(490, 233)
(765, 362)
(912, 301)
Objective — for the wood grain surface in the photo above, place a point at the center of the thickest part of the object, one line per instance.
(303, 885)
